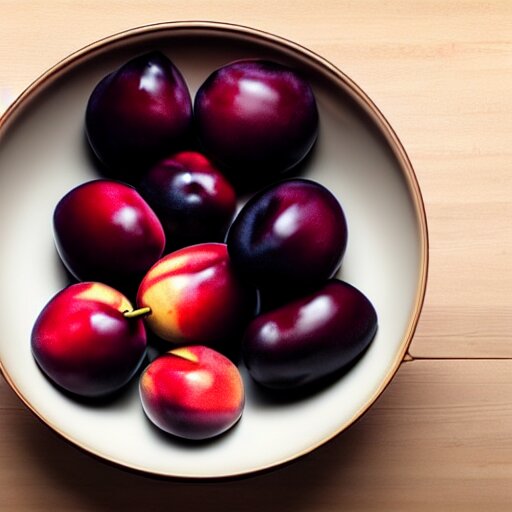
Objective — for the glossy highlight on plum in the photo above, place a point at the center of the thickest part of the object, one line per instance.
(105, 231)
(83, 342)
(191, 197)
(309, 338)
(138, 114)
(290, 236)
(196, 297)
(256, 118)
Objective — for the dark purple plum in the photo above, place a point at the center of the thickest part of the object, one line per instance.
(138, 114)
(290, 236)
(192, 199)
(256, 117)
(105, 231)
(310, 338)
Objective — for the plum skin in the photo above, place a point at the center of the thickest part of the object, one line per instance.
(84, 344)
(290, 236)
(310, 338)
(192, 199)
(105, 231)
(192, 392)
(138, 113)
(196, 297)
(256, 116)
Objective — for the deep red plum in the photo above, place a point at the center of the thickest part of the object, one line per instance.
(290, 236)
(83, 342)
(105, 231)
(310, 338)
(256, 117)
(138, 114)
(194, 201)
(192, 392)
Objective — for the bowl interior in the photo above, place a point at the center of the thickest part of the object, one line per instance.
(43, 154)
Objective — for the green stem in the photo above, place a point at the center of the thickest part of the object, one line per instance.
(136, 313)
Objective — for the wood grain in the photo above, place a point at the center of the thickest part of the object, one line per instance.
(439, 438)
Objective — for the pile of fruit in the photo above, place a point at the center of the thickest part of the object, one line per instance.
(159, 228)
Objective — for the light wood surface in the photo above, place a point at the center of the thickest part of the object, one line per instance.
(440, 436)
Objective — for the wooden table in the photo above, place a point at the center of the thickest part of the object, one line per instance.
(440, 437)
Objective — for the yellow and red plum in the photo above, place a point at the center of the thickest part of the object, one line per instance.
(83, 342)
(105, 231)
(193, 200)
(310, 338)
(192, 392)
(290, 236)
(196, 298)
(256, 117)
(138, 114)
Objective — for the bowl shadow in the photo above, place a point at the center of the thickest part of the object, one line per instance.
(297, 486)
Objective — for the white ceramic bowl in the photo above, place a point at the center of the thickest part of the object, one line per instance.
(43, 154)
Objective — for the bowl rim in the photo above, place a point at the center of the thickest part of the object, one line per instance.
(326, 68)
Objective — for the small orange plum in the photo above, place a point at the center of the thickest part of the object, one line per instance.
(192, 392)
